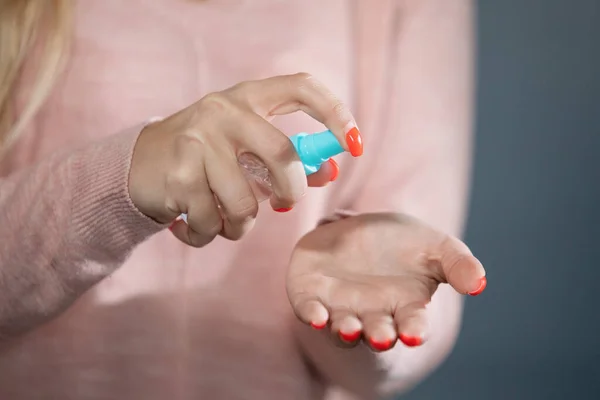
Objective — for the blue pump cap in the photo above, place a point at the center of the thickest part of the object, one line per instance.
(314, 149)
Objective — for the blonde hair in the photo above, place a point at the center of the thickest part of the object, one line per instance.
(25, 26)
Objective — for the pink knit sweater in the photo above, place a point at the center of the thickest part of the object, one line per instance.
(112, 306)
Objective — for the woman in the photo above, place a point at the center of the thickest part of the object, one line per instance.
(100, 301)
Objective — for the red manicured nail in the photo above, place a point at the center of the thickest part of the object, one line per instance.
(335, 169)
(411, 341)
(354, 141)
(349, 337)
(319, 325)
(481, 288)
(381, 346)
(283, 209)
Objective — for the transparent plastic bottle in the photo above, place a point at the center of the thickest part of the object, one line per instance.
(257, 175)
(313, 150)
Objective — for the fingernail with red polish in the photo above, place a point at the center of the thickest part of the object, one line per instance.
(283, 209)
(380, 345)
(319, 325)
(349, 336)
(481, 288)
(411, 341)
(354, 141)
(335, 169)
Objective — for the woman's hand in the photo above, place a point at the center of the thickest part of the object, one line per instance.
(188, 163)
(371, 276)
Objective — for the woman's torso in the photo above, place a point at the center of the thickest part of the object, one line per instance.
(177, 322)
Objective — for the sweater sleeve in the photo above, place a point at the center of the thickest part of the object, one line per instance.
(65, 224)
(419, 165)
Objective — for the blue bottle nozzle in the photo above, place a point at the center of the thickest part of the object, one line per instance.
(314, 149)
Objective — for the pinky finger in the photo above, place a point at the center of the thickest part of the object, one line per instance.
(411, 321)
(185, 233)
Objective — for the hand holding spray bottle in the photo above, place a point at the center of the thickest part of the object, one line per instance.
(313, 150)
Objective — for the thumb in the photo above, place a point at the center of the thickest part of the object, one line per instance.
(460, 268)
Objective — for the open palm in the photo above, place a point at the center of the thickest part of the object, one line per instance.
(371, 277)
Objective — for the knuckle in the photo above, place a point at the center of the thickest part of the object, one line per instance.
(237, 230)
(243, 210)
(339, 110)
(214, 103)
(212, 230)
(188, 141)
(243, 87)
(200, 236)
(241, 94)
(183, 176)
(303, 78)
(301, 81)
(453, 243)
(198, 241)
(294, 193)
(187, 161)
(282, 150)
(306, 81)
(171, 205)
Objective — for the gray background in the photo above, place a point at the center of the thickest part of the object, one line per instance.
(534, 220)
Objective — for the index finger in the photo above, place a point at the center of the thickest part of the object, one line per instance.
(286, 94)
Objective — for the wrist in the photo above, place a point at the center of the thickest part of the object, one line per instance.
(144, 192)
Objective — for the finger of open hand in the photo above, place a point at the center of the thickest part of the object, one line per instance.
(379, 330)
(346, 327)
(411, 322)
(311, 311)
